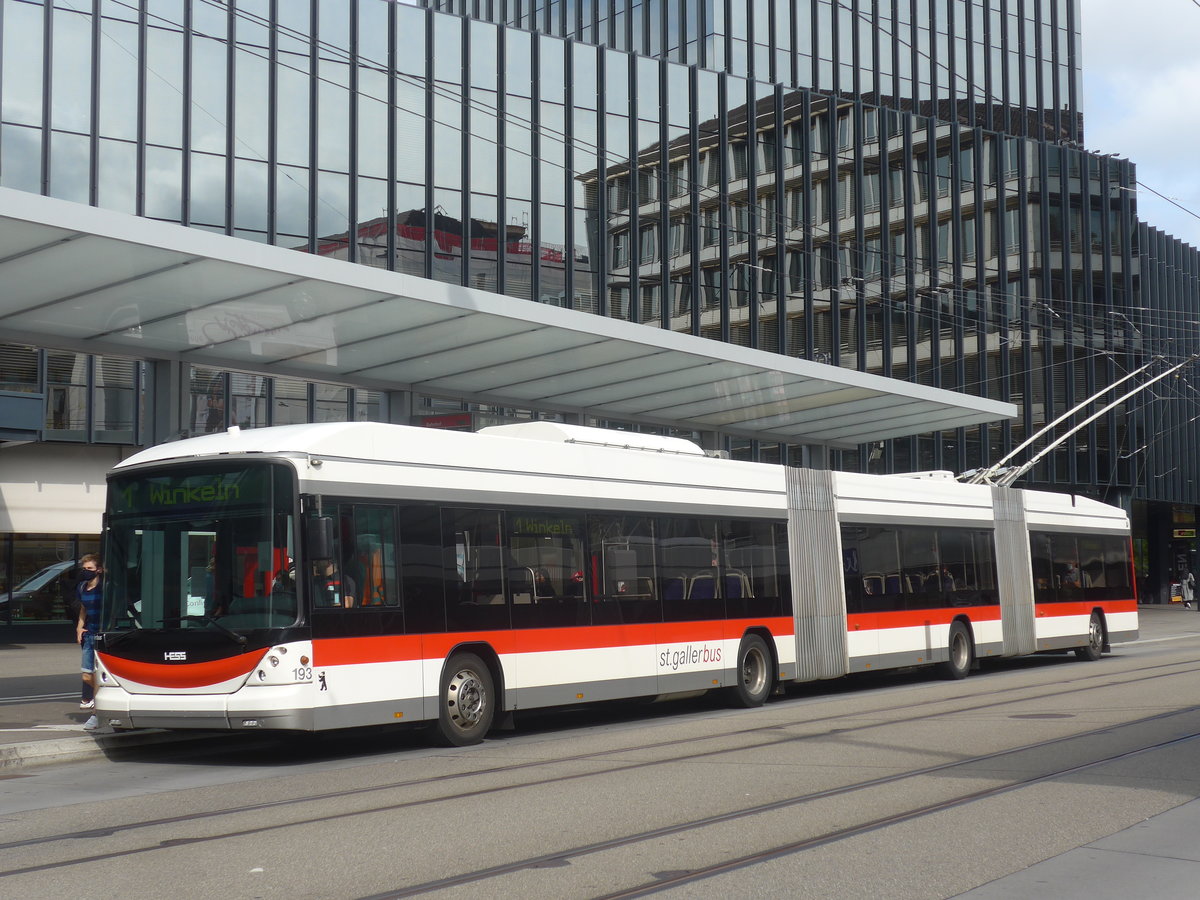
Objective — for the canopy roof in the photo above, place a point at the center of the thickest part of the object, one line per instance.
(89, 279)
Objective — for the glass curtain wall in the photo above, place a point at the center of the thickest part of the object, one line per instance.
(1009, 65)
(910, 240)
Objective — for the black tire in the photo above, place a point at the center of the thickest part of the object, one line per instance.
(961, 653)
(466, 702)
(755, 671)
(1094, 648)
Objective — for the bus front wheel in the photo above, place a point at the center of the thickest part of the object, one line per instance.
(753, 684)
(467, 703)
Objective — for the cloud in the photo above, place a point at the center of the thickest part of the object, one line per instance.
(1140, 73)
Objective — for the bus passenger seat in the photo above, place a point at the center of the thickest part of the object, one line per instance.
(873, 584)
(702, 587)
(673, 588)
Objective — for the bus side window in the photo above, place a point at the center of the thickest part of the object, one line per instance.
(956, 576)
(1116, 568)
(547, 583)
(1067, 577)
(625, 547)
(374, 556)
(750, 570)
(476, 585)
(1091, 567)
(688, 571)
(879, 561)
(919, 566)
(857, 585)
(1043, 571)
(348, 560)
(985, 565)
(423, 567)
(336, 579)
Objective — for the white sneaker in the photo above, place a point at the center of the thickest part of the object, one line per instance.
(92, 724)
(87, 704)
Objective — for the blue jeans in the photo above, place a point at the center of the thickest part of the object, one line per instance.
(88, 645)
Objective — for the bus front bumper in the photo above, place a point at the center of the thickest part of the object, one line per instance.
(257, 709)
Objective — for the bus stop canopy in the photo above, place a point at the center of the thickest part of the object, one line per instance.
(87, 279)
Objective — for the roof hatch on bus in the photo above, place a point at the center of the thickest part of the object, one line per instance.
(556, 432)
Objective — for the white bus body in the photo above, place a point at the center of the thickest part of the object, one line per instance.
(638, 531)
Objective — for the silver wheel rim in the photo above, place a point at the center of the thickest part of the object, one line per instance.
(1096, 634)
(754, 672)
(465, 700)
(959, 652)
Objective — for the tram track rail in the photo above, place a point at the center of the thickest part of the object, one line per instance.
(830, 837)
(767, 735)
(562, 857)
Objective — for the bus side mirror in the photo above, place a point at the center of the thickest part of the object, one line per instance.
(319, 537)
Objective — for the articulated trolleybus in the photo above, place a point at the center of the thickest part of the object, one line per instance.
(325, 576)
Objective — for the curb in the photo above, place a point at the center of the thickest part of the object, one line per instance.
(79, 749)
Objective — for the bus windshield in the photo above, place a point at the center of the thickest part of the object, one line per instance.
(206, 547)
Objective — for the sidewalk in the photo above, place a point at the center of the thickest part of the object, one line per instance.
(40, 718)
(1158, 858)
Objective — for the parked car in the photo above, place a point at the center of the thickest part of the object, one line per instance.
(46, 595)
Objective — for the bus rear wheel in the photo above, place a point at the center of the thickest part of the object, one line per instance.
(960, 653)
(1094, 648)
(753, 684)
(467, 702)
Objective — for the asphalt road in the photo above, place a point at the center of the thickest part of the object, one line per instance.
(897, 786)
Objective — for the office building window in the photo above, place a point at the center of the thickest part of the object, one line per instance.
(209, 400)
(66, 395)
(248, 400)
(19, 369)
(290, 402)
(116, 395)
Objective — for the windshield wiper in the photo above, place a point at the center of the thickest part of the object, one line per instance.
(112, 638)
(224, 629)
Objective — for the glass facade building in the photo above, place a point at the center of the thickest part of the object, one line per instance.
(895, 187)
(1006, 65)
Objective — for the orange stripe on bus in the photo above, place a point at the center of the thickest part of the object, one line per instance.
(1085, 607)
(944, 616)
(909, 618)
(396, 648)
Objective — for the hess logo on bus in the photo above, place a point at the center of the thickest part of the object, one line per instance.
(175, 656)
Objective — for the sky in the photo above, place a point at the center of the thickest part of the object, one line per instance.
(1141, 101)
